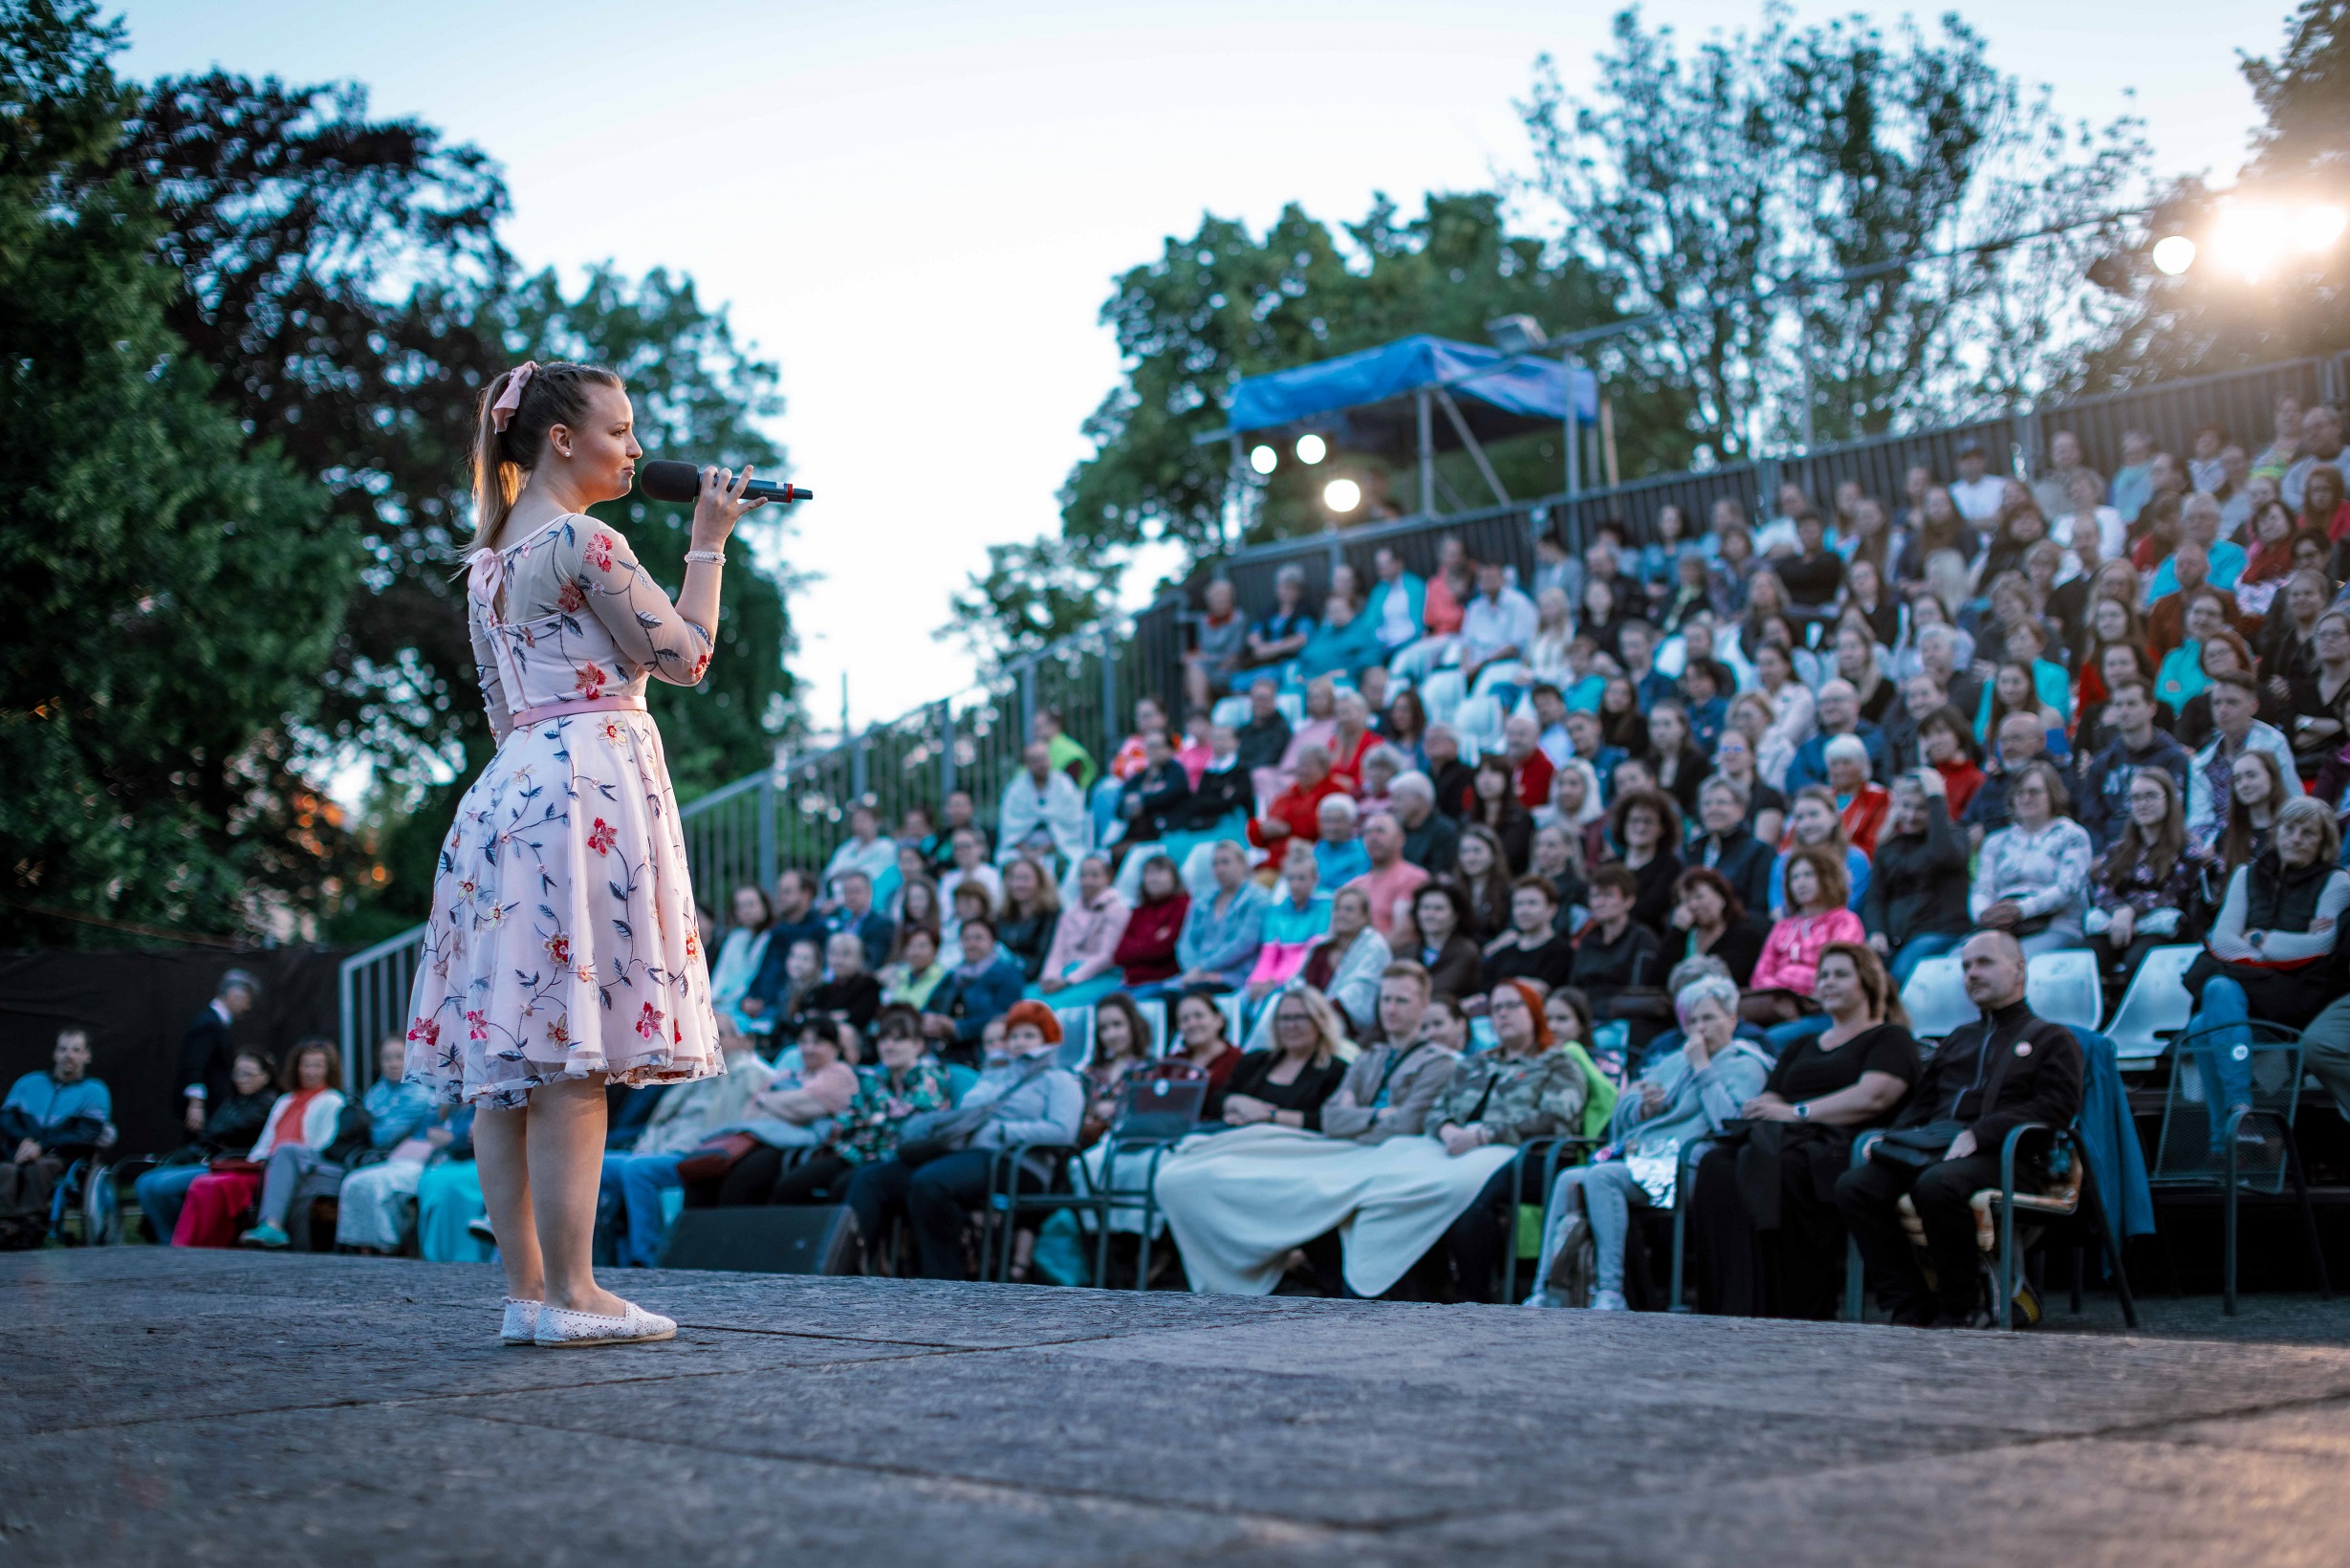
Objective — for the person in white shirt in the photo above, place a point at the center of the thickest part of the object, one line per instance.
(2238, 505)
(1041, 800)
(2235, 703)
(869, 850)
(1978, 492)
(1777, 536)
(1497, 628)
(2085, 508)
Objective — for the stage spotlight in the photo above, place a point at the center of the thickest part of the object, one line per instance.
(1263, 458)
(1312, 450)
(1341, 495)
(2173, 254)
(2319, 226)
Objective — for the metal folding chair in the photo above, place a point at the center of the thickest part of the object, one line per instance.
(1550, 1153)
(2082, 1204)
(2212, 1140)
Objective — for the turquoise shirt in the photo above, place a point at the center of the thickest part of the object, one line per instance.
(2228, 562)
(2181, 676)
(1288, 925)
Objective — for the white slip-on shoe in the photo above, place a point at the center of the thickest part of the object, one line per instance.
(559, 1326)
(521, 1326)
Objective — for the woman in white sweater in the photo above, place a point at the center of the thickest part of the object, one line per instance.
(2033, 878)
(2270, 954)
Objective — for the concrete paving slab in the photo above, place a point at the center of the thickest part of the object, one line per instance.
(174, 1407)
(402, 1485)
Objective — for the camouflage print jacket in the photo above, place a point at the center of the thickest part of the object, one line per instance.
(868, 1130)
(1514, 1097)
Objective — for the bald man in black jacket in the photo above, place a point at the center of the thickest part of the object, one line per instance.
(2007, 1068)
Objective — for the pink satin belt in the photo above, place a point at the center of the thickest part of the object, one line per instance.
(578, 704)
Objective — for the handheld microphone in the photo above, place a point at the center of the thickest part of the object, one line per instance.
(666, 479)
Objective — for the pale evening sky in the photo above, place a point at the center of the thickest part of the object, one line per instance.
(917, 207)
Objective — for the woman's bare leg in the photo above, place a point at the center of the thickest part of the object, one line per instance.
(501, 1152)
(567, 1161)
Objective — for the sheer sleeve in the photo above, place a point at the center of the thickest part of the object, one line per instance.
(485, 670)
(643, 622)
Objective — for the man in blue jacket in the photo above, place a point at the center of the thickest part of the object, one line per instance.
(982, 989)
(59, 1115)
(1343, 644)
(1839, 710)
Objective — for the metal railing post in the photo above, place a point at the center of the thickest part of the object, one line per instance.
(1027, 700)
(769, 799)
(350, 1026)
(945, 750)
(857, 750)
(1109, 682)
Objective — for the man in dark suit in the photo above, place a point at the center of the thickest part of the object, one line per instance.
(2007, 1068)
(207, 1052)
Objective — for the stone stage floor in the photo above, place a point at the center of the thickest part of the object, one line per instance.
(165, 1407)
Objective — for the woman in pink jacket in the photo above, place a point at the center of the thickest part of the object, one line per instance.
(1781, 992)
(1077, 969)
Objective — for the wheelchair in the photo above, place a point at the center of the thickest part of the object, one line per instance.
(85, 1209)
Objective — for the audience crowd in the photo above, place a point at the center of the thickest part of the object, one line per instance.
(1636, 850)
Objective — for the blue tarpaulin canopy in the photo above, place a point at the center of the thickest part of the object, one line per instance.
(1496, 399)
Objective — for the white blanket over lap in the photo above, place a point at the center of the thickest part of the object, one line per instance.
(1238, 1202)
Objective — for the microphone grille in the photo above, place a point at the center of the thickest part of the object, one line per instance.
(666, 479)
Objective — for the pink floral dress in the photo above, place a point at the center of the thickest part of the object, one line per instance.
(561, 940)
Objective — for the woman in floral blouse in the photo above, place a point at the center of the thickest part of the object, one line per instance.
(906, 1082)
(2145, 886)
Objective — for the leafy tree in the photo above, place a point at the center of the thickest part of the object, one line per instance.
(336, 266)
(175, 585)
(1729, 190)
(1225, 303)
(345, 276)
(1032, 596)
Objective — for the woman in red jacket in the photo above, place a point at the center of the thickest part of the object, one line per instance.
(1146, 951)
(1296, 812)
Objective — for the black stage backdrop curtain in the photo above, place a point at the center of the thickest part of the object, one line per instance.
(137, 1005)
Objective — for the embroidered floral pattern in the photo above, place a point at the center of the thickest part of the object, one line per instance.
(561, 940)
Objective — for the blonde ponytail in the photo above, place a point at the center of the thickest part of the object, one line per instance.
(554, 394)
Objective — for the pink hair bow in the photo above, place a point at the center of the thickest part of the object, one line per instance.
(510, 402)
